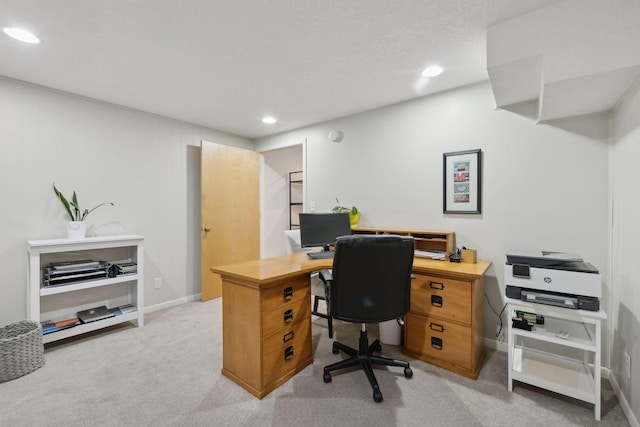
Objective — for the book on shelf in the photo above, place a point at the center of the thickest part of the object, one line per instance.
(122, 309)
(49, 326)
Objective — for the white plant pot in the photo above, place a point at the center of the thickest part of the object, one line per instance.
(76, 230)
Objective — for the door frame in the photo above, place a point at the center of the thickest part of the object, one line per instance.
(263, 225)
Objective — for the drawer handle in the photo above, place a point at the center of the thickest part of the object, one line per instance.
(436, 343)
(288, 353)
(436, 285)
(287, 337)
(288, 316)
(436, 300)
(436, 327)
(287, 293)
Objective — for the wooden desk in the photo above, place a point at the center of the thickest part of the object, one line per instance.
(266, 315)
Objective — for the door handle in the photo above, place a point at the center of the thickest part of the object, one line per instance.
(207, 229)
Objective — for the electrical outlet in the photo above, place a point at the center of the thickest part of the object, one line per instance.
(312, 206)
(157, 282)
(627, 364)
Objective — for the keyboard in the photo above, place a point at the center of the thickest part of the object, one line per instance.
(320, 255)
(429, 254)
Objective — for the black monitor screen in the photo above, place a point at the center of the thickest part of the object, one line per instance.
(322, 229)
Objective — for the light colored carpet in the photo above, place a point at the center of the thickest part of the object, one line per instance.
(168, 373)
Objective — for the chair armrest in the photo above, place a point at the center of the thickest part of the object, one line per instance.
(326, 276)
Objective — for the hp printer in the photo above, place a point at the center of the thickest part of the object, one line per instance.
(553, 278)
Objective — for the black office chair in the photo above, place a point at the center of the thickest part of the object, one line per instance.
(370, 283)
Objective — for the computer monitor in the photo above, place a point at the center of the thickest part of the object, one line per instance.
(322, 229)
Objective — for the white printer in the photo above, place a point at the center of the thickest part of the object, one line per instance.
(553, 278)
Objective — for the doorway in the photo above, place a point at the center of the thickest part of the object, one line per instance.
(277, 165)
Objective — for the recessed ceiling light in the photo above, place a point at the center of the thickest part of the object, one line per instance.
(432, 71)
(22, 35)
(269, 120)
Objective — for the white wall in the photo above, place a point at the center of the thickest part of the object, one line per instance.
(625, 295)
(275, 186)
(148, 165)
(544, 187)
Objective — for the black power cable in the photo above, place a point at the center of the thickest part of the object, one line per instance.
(497, 314)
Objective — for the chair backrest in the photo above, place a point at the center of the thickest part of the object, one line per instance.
(292, 241)
(371, 277)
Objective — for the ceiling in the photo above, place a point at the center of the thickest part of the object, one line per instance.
(225, 64)
(573, 58)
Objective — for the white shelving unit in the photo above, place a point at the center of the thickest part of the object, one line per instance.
(295, 199)
(64, 301)
(538, 357)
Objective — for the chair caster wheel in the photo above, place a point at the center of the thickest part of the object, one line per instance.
(377, 396)
(335, 350)
(378, 348)
(408, 373)
(326, 377)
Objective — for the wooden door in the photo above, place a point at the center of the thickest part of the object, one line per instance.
(229, 211)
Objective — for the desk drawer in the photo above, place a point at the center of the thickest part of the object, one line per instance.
(442, 297)
(285, 350)
(287, 292)
(285, 315)
(439, 339)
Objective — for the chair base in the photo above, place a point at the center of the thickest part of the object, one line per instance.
(366, 359)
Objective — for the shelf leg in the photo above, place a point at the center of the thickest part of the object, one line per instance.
(596, 368)
(510, 348)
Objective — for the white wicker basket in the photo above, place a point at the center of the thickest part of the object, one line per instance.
(21, 349)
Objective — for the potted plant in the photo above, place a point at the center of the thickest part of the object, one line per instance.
(76, 228)
(354, 213)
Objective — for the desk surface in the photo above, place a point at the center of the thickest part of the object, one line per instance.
(263, 272)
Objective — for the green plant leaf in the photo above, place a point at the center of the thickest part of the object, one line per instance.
(64, 201)
(74, 203)
(87, 212)
(75, 213)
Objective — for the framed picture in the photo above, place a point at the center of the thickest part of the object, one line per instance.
(462, 182)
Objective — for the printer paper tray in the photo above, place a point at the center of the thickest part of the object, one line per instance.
(550, 299)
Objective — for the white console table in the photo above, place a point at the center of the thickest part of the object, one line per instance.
(539, 357)
(64, 301)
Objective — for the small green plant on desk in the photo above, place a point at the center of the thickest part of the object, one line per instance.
(354, 213)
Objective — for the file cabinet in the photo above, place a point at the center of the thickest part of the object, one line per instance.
(445, 323)
(266, 332)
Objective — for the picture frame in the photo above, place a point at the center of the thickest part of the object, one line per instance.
(462, 182)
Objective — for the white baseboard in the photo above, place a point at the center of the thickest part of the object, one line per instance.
(624, 403)
(604, 373)
(496, 344)
(173, 303)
